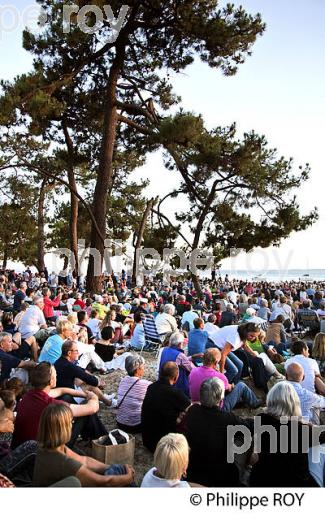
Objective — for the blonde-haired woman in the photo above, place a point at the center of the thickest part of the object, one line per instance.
(287, 449)
(171, 461)
(55, 461)
(318, 351)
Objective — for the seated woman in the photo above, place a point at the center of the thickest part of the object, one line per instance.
(318, 351)
(171, 461)
(296, 463)
(55, 461)
(112, 357)
(131, 392)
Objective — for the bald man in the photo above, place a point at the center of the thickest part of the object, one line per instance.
(311, 403)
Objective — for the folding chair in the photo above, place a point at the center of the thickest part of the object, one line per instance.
(153, 339)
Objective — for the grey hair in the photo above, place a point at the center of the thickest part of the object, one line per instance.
(169, 308)
(36, 299)
(176, 338)
(132, 363)
(4, 335)
(212, 392)
(282, 400)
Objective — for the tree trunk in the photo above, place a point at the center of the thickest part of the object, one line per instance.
(150, 205)
(5, 259)
(74, 203)
(198, 231)
(105, 173)
(40, 228)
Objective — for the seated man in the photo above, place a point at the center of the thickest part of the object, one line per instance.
(189, 317)
(197, 341)
(312, 380)
(234, 394)
(32, 324)
(65, 330)
(43, 393)
(71, 375)
(308, 317)
(208, 437)
(311, 403)
(210, 327)
(175, 353)
(162, 406)
(228, 317)
(8, 362)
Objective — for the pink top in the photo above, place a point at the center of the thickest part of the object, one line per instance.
(200, 374)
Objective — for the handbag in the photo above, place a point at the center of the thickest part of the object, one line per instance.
(126, 393)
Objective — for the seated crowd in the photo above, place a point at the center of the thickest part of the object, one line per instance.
(213, 352)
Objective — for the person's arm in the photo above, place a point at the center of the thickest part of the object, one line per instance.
(224, 353)
(85, 376)
(89, 462)
(58, 392)
(184, 362)
(249, 350)
(56, 301)
(27, 365)
(89, 478)
(91, 407)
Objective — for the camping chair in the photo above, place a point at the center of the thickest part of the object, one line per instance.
(310, 322)
(153, 339)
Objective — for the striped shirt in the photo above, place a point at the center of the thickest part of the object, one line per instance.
(130, 411)
(310, 403)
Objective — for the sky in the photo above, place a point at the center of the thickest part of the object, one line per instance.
(278, 92)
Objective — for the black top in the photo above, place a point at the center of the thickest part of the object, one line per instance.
(161, 407)
(283, 469)
(210, 442)
(7, 362)
(227, 318)
(67, 372)
(105, 352)
(18, 300)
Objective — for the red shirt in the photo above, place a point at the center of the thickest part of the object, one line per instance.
(81, 304)
(29, 411)
(48, 306)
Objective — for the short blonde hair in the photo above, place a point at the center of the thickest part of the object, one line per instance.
(171, 456)
(62, 324)
(55, 426)
(73, 318)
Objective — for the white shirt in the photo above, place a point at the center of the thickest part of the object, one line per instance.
(31, 322)
(93, 324)
(150, 480)
(233, 296)
(310, 367)
(211, 328)
(165, 323)
(225, 335)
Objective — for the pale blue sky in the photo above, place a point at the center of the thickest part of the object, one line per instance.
(279, 91)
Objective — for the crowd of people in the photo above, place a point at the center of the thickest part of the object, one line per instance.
(258, 346)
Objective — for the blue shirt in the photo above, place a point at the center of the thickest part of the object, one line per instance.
(138, 339)
(197, 340)
(52, 349)
(189, 316)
